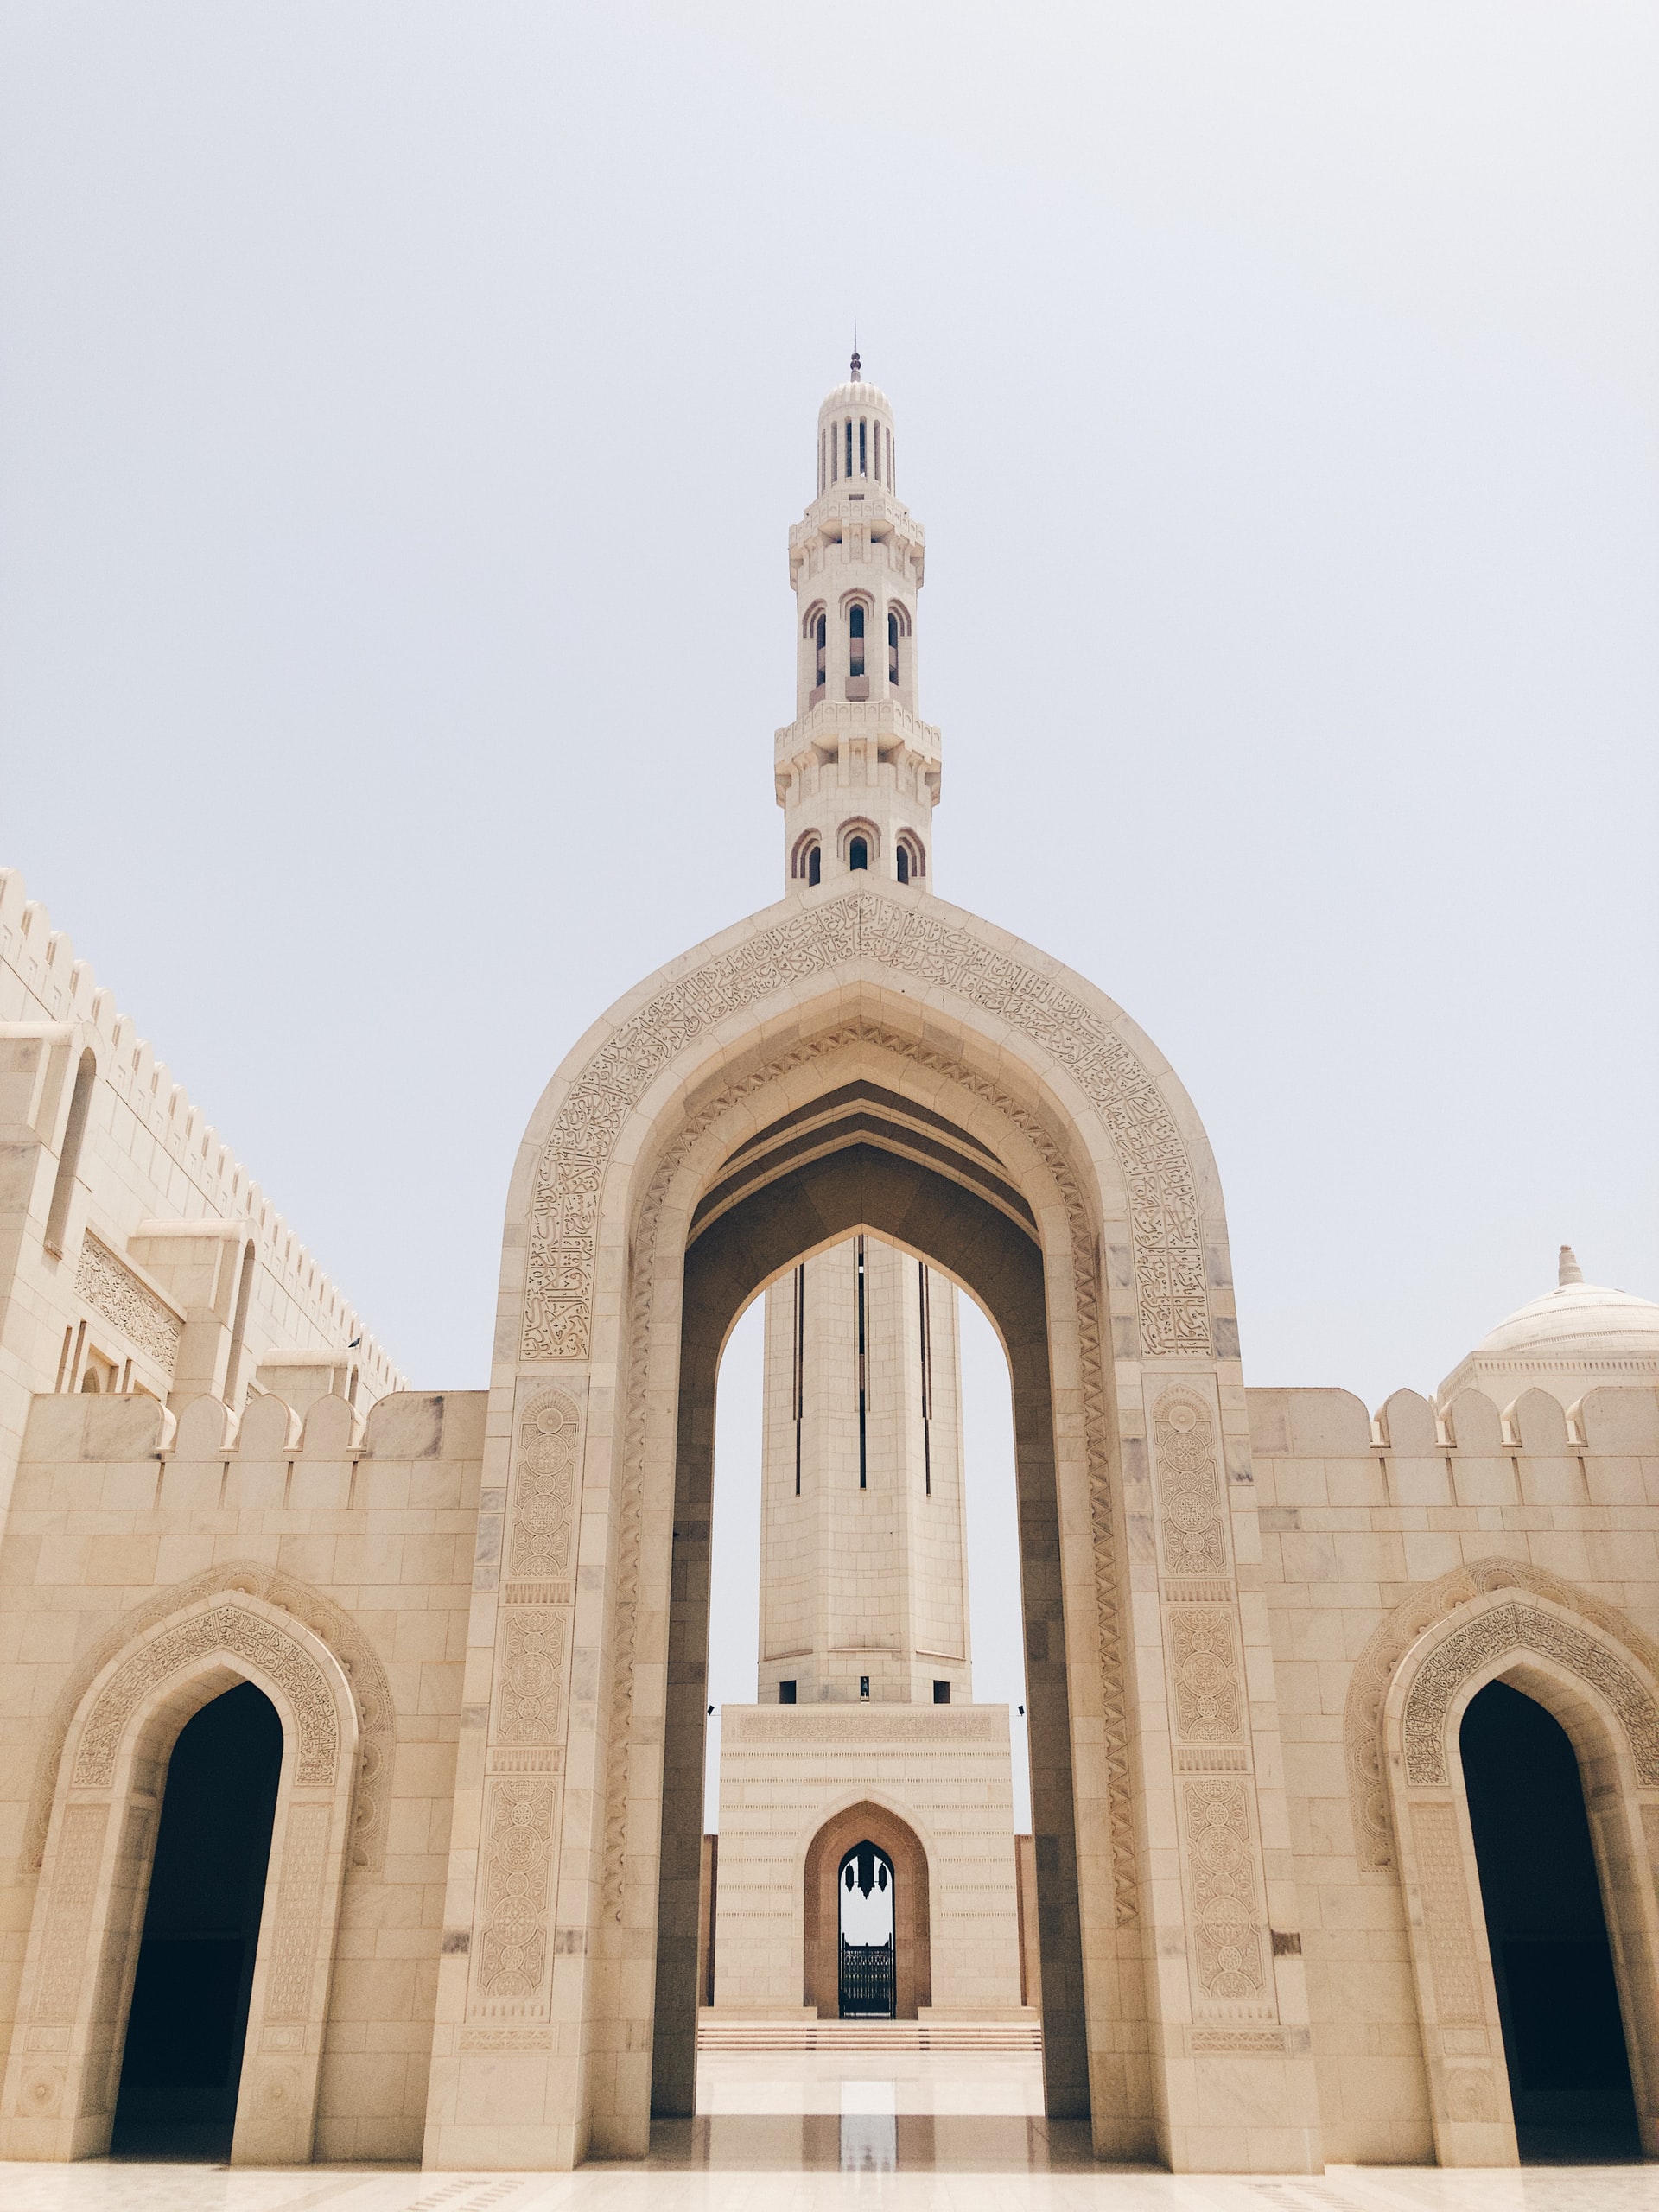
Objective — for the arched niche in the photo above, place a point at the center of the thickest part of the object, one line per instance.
(61, 2080)
(1605, 1697)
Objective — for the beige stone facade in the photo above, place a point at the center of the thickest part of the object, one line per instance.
(1255, 1619)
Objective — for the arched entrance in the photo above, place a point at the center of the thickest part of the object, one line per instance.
(856, 1061)
(86, 1929)
(1492, 1825)
(1552, 1967)
(866, 1985)
(868, 1828)
(188, 2017)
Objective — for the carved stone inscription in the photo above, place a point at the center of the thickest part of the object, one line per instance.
(110, 1288)
(299, 1913)
(1229, 1960)
(1189, 1485)
(1521, 1627)
(227, 1628)
(1164, 1213)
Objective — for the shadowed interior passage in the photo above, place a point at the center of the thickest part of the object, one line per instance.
(1563, 2034)
(189, 2015)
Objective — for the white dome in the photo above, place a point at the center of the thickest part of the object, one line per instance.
(1575, 1338)
(865, 398)
(1581, 1320)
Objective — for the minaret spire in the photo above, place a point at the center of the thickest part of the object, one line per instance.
(857, 770)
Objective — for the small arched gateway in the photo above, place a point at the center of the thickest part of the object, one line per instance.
(91, 1937)
(1496, 1918)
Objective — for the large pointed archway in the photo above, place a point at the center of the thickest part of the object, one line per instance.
(867, 1059)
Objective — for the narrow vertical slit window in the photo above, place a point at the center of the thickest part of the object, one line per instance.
(849, 446)
(835, 457)
(893, 646)
(799, 1394)
(863, 449)
(822, 638)
(889, 438)
(75, 1131)
(239, 1327)
(926, 1321)
(903, 860)
(821, 460)
(861, 1296)
(815, 866)
(855, 642)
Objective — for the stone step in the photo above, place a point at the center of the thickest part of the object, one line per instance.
(894, 2036)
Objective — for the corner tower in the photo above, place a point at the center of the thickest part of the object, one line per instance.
(857, 770)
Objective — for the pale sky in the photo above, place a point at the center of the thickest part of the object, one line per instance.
(402, 412)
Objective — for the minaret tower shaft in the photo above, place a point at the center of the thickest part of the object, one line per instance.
(863, 1566)
(857, 770)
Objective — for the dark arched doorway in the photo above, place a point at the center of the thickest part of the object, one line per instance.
(1563, 2032)
(865, 1897)
(189, 2012)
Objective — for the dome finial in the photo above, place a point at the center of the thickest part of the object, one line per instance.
(1569, 1271)
(856, 372)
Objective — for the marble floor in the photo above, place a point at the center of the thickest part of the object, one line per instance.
(804, 2132)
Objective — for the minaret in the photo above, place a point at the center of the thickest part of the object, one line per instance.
(857, 770)
(863, 1557)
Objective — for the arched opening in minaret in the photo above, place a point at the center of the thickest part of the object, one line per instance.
(855, 641)
(945, 1504)
(1557, 1993)
(182, 2063)
(858, 853)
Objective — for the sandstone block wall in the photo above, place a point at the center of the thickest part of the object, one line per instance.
(367, 1532)
(1369, 1529)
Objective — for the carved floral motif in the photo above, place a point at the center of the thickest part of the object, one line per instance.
(530, 1707)
(565, 1205)
(75, 1888)
(299, 1910)
(1204, 1668)
(227, 1628)
(517, 1861)
(1189, 1486)
(1229, 1951)
(110, 1288)
(544, 1487)
(1507, 1628)
(1444, 1887)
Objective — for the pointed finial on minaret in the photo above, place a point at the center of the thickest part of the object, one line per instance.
(856, 360)
(1570, 1271)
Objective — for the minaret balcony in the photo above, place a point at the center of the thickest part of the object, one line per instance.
(891, 726)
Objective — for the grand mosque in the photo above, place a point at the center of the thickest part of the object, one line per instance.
(355, 1731)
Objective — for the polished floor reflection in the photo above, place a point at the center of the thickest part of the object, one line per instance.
(914, 2132)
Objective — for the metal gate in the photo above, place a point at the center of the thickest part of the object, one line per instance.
(864, 1896)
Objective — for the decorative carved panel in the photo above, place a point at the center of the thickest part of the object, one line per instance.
(512, 1956)
(357, 1657)
(1164, 1213)
(1374, 1670)
(1443, 1884)
(544, 1487)
(1520, 1627)
(530, 1703)
(75, 1888)
(245, 1634)
(1203, 1670)
(110, 1288)
(1189, 1485)
(1221, 1861)
(299, 1908)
